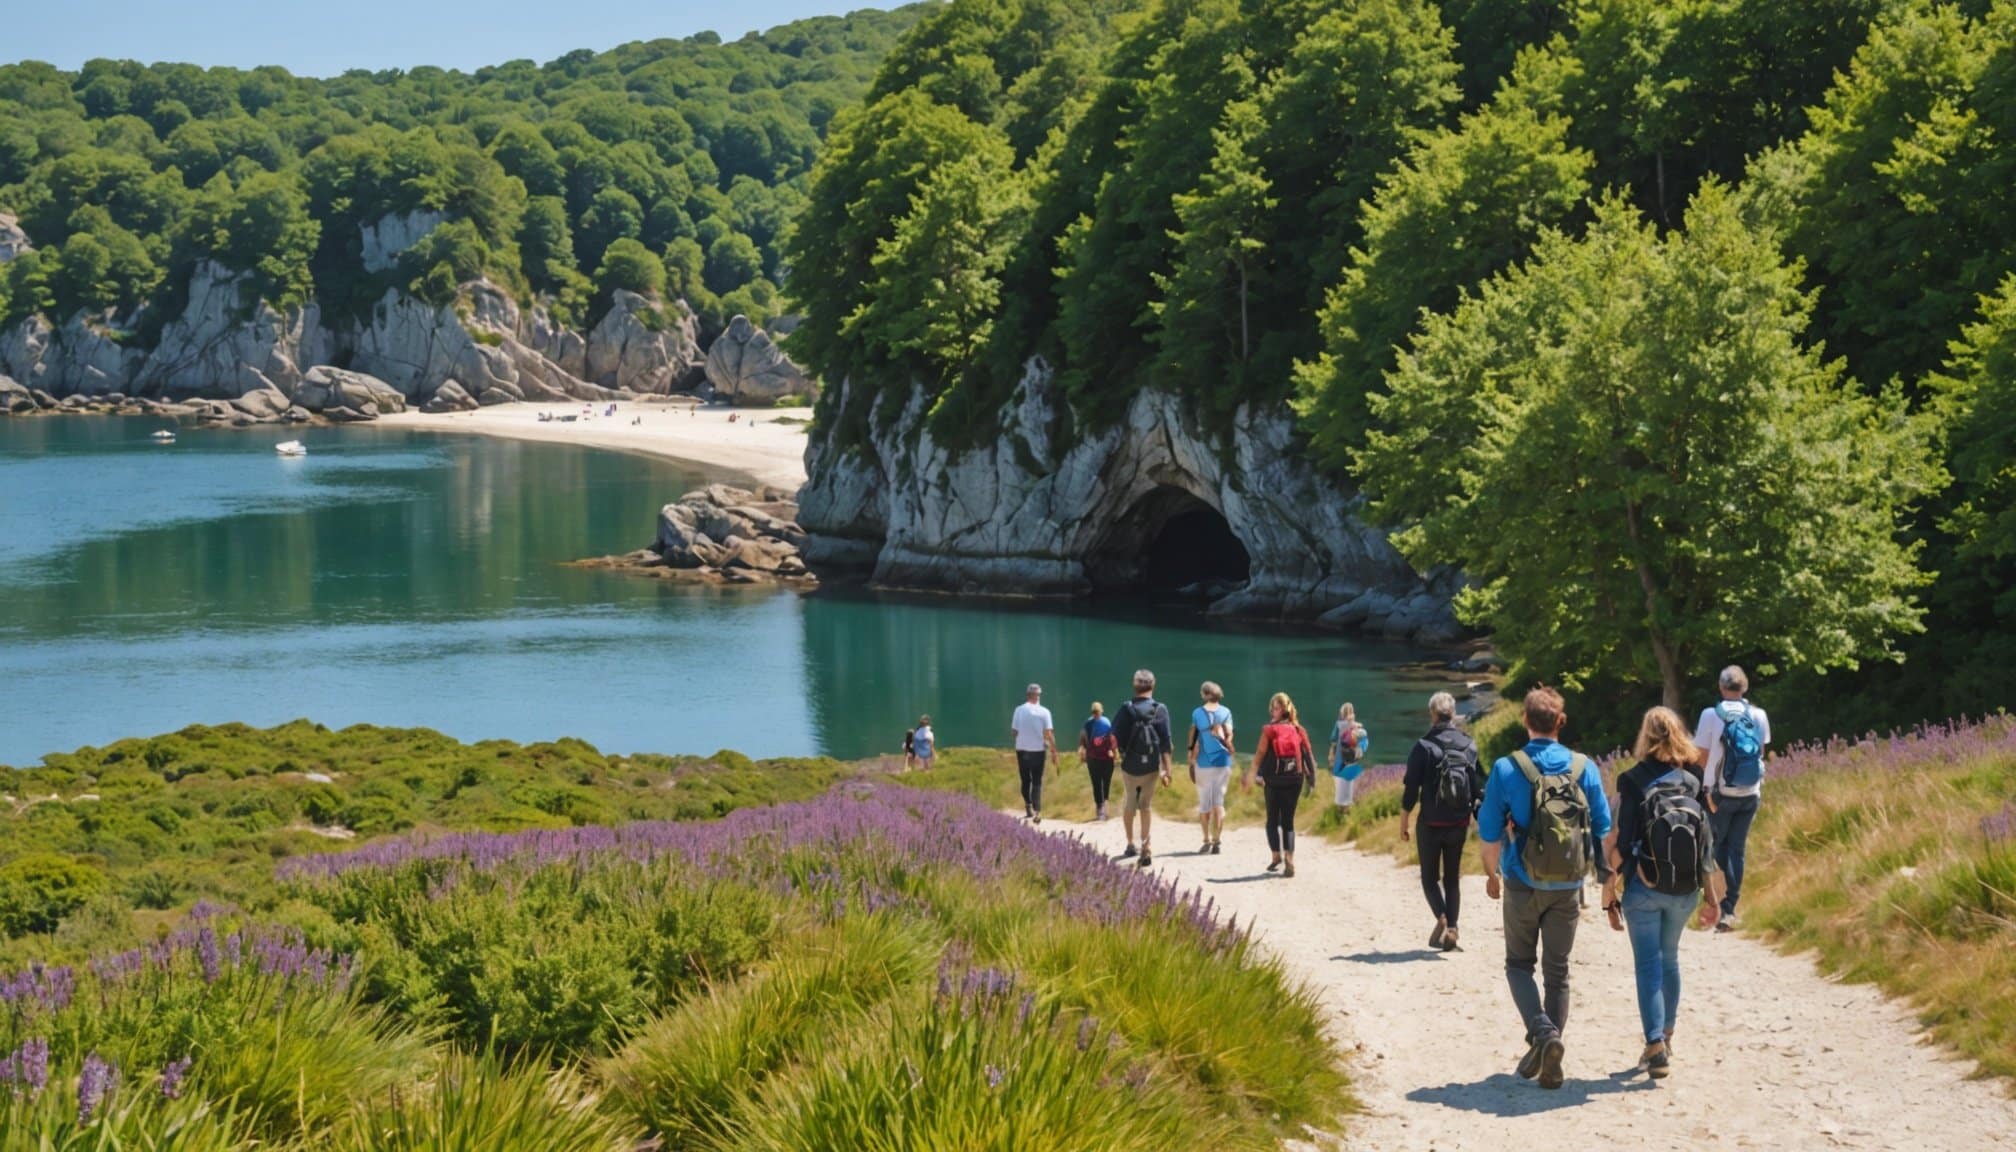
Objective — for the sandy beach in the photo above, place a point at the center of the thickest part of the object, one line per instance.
(758, 447)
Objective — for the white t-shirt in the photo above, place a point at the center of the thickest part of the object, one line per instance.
(1708, 738)
(1030, 723)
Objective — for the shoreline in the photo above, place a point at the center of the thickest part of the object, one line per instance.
(756, 449)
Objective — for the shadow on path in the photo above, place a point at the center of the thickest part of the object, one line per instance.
(1505, 1095)
(1257, 876)
(1407, 957)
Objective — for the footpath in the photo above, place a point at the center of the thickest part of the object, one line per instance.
(1768, 1052)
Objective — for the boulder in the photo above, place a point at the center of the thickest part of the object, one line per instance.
(296, 415)
(344, 414)
(644, 347)
(42, 398)
(15, 398)
(747, 367)
(263, 404)
(324, 388)
(500, 392)
(450, 397)
(13, 241)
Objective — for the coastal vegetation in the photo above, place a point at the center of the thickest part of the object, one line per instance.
(1740, 257)
(674, 164)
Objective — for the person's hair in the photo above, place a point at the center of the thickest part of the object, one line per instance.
(1348, 711)
(1281, 701)
(923, 721)
(1033, 690)
(1663, 736)
(1098, 709)
(1545, 710)
(1144, 680)
(1210, 691)
(1733, 679)
(1442, 706)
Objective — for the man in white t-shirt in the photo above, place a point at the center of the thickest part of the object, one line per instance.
(1035, 738)
(1734, 789)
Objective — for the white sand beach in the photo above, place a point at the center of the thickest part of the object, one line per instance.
(760, 446)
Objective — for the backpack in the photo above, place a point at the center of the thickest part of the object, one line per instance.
(1292, 764)
(909, 739)
(1456, 784)
(1348, 751)
(1100, 747)
(1742, 747)
(1144, 743)
(1557, 844)
(1675, 841)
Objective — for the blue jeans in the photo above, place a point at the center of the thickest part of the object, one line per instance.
(1731, 823)
(1655, 921)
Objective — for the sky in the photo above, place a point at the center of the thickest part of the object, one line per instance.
(326, 37)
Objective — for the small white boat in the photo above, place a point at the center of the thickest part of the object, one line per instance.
(164, 436)
(291, 448)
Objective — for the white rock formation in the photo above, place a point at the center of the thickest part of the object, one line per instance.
(414, 347)
(1020, 515)
(80, 358)
(387, 237)
(218, 348)
(625, 351)
(13, 241)
(746, 366)
(325, 388)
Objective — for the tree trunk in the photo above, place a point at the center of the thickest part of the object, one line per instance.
(1671, 675)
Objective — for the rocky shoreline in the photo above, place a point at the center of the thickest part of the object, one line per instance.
(722, 535)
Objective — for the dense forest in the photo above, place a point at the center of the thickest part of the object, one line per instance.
(1686, 328)
(672, 165)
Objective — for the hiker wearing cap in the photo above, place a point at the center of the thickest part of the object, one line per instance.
(1211, 762)
(1035, 741)
(1141, 731)
(1662, 858)
(1552, 800)
(1445, 779)
(1734, 734)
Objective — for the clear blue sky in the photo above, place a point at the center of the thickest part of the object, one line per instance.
(325, 37)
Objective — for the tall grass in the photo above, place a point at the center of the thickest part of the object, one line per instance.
(479, 1103)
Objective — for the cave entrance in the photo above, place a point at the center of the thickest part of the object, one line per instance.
(1171, 541)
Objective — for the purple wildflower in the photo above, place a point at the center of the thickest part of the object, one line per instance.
(172, 1077)
(94, 1087)
(995, 1075)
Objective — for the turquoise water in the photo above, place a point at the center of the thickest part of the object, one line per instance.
(399, 577)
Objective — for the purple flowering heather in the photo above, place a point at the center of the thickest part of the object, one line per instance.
(2001, 827)
(94, 1086)
(25, 1071)
(995, 1075)
(172, 1077)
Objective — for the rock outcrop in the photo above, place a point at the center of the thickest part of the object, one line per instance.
(1022, 515)
(415, 347)
(326, 390)
(723, 535)
(746, 366)
(13, 241)
(640, 347)
(385, 238)
(82, 357)
(228, 342)
(450, 397)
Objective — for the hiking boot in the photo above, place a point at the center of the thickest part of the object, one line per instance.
(1551, 1052)
(1146, 859)
(1288, 870)
(1529, 1064)
(1130, 853)
(1216, 847)
(1657, 1061)
(1440, 933)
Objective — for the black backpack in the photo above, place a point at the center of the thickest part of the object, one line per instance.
(1457, 786)
(1144, 743)
(1673, 850)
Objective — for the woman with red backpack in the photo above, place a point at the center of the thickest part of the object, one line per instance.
(1285, 761)
(1097, 746)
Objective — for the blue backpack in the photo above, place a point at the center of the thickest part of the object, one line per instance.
(1742, 747)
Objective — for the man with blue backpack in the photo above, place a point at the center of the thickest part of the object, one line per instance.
(1734, 734)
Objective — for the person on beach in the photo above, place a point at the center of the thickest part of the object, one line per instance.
(1285, 762)
(1349, 743)
(1141, 732)
(1096, 747)
(1445, 779)
(1734, 734)
(1552, 801)
(923, 745)
(1211, 762)
(1035, 741)
(1662, 859)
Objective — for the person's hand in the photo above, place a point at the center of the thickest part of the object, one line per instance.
(1711, 802)
(1616, 915)
(1711, 913)
(1166, 777)
(1406, 833)
(1493, 888)
(1193, 772)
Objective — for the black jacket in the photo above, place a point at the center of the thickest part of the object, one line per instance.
(1424, 772)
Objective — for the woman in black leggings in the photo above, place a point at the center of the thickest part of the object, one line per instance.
(1286, 764)
(1443, 777)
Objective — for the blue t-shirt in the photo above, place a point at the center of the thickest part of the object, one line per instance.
(1097, 726)
(1211, 751)
(1508, 795)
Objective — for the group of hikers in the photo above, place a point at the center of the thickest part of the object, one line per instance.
(1674, 840)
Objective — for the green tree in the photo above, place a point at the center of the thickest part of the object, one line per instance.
(613, 215)
(39, 890)
(545, 243)
(1976, 396)
(630, 266)
(1642, 467)
(733, 261)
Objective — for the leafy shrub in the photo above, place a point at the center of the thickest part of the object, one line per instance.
(38, 890)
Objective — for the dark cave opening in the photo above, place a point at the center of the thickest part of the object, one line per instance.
(1171, 541)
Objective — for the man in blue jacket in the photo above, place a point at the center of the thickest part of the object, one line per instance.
(1552, 802)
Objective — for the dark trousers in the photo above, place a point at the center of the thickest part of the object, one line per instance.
(1281, 802)
(1102, 780)
(1540, 929)
(1731, 823)
(1441, 852)
(1031, 765)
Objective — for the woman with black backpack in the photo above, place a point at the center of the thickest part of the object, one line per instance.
(1662, 857)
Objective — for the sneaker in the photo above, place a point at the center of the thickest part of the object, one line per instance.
(1551, 1052)
(1146, 859)
(1288, 870)
(1130, 853)
(1036, 819)
(1658, 1061)
(1440, 933)
(1216, 847)
(1027, 811)
(1449, 940)
(1725, 925)
(1274, 866)
(1529, 1064)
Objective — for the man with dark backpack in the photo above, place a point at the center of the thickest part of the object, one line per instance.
(1734, 734)
(1552, 801)
(1444, 777)
(1141, 732)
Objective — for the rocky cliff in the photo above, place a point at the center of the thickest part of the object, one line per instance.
(1021, 515)
(480, 348)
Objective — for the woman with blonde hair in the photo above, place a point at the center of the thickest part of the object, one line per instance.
(1348, 745)
(1662, 858)
(1286, 764)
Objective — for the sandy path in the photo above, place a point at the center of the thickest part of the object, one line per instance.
(1769, 1054)
(755, 448)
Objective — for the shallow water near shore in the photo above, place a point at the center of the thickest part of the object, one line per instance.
(404, 578)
